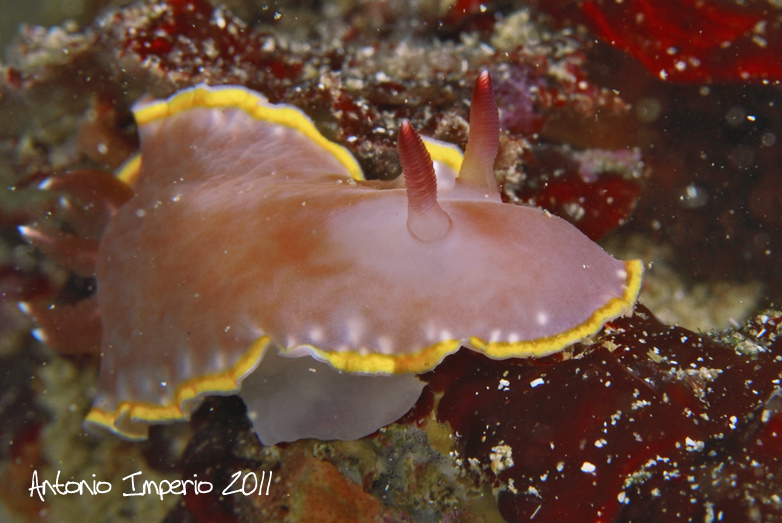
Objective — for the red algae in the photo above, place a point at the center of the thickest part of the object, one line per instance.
(595, 190)
(736, 41)
(465, 16)
(186, 37)
(648, 422)
(706, 133)
(644, 424)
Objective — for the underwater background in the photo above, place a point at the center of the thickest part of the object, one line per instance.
(653, 127)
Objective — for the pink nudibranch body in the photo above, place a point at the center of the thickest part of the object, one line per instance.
(254, 256)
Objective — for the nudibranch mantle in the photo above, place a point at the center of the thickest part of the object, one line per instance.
(254, 250)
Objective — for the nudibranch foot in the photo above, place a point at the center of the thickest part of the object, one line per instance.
(294, 398)
(253, 250)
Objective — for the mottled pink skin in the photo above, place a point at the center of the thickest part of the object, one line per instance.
(239, 228)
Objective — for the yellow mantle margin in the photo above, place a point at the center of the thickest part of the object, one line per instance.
(235, 97)
(255, 105)
(132, 419)
(428, 358)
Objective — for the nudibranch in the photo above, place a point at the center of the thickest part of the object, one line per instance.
(254, 258)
